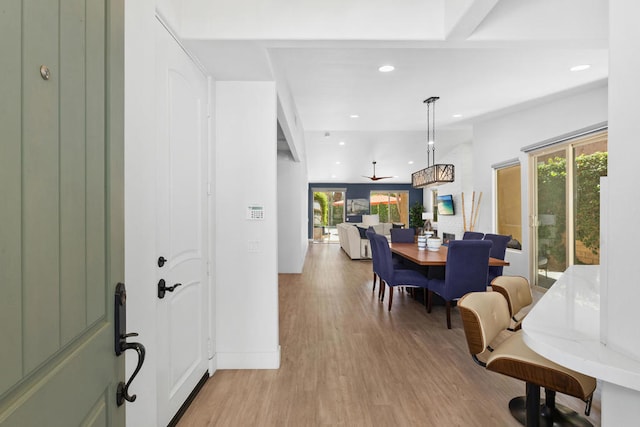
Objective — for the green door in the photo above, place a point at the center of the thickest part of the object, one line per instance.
(61, 211)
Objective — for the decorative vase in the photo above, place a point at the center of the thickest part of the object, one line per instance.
(434, 243)
(422, 242)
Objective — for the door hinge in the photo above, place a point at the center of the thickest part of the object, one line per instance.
(208, 188)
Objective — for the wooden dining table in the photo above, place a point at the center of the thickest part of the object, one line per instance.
(411, 252)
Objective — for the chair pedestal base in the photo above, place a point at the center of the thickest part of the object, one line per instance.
(559, 415)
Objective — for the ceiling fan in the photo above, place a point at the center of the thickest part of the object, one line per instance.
(374, 177)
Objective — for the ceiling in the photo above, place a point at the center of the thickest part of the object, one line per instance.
(493, 57)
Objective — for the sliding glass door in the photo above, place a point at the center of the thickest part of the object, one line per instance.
(328, 211)
(566, 206)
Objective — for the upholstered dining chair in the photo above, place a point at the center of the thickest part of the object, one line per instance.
(465, 271)
(472, 235)
(498, 250)
(517, 292)
(402, 235)
(391, 275)
(484, 316)
(374, 262)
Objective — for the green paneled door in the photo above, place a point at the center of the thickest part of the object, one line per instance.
(61, 231)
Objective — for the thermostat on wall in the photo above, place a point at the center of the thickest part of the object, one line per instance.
(255, 212)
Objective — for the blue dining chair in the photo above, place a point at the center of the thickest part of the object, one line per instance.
(466, 271)
(391, 275)
(472, 235)
(498, 250)
(374, 261)
(402, 235)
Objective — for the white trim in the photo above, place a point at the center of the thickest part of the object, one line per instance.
(174, 35)
(506, 163)
(249, 360)
(566, 137)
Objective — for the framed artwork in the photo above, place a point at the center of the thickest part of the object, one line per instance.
(357, 206)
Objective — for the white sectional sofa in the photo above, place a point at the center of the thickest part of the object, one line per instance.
(351, 241)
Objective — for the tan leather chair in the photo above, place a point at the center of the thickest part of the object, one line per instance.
(484, 316)
(517, 292)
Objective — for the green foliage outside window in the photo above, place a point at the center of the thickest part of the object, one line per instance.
(321, 198)
(552, 200)
(385, 215)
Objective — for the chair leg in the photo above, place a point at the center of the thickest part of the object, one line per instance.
(429, 298)
(382, 290)
(390, 296)
(375, 276)
(533, 405)
(448, 304)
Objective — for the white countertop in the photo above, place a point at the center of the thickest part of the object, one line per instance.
(564, 326)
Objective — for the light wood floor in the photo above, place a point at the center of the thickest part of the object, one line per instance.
(347, 361)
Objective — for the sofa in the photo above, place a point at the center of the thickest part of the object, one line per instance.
(353, 240)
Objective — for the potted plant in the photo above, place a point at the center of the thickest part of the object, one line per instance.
(415, 217)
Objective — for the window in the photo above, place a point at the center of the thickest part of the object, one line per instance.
(328, 211)
(390, 206)
(566, 205)
(508, 201)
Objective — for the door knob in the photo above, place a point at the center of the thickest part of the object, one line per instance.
(161, 261)
(162, 288)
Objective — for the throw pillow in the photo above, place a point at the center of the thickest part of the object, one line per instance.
(363, 232)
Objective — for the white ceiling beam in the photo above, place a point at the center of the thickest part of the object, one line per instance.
(462, 17)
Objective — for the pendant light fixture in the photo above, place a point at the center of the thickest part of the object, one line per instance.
(433, 174)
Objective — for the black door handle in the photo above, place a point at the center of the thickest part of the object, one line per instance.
(123, 389)
(121, 344)
(162, 288)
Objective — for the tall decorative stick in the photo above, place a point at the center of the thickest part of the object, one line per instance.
(473, 202)
(475, 219)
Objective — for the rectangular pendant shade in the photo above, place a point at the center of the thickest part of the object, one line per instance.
(433, 175)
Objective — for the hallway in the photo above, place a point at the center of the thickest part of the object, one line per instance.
(347, 361)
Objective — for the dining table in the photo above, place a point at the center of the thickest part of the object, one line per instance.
(428, 257)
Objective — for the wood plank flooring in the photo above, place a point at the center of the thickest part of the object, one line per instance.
(347, 361)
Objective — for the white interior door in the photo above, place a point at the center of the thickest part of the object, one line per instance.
(181, 225)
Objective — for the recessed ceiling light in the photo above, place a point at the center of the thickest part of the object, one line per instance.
(354, 116)
(457, 116)
(581, 67)
(386, 68)
(341, 143)
(337, 163)
(410, 162)
(333, 176)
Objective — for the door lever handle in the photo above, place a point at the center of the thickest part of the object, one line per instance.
(123, 389)
(163, 288)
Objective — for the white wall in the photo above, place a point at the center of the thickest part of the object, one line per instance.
(461, 159)
(292, 215)
(620, 405)
(312, 20)
(501, 138)
(246, 260)
(140, 204)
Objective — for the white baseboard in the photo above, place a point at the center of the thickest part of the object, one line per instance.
(261, 360)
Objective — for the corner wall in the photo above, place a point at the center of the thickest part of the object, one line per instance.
(619, 404)
(292, 215)
(246, 262)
